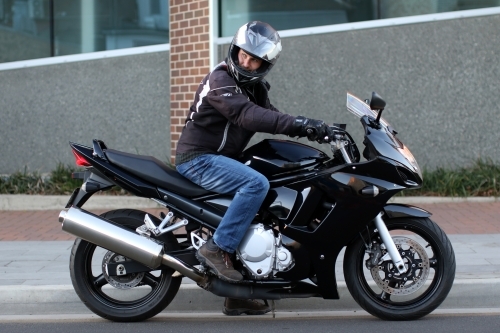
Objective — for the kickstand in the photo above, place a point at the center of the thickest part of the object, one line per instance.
(272, 306)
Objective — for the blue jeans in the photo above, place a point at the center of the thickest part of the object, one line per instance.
(224, 175)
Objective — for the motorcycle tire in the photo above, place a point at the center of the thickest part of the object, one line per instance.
(381, 290)
(115, 298)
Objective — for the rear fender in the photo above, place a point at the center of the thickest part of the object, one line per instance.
(92, 183)
(401, 210)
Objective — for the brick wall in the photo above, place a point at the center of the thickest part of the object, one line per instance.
(189, 59)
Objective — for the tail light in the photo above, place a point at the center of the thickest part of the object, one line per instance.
(80, 160)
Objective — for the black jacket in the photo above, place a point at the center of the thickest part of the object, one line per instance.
(224, 117)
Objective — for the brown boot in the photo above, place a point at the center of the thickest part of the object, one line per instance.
(235, 307)
(219, 261)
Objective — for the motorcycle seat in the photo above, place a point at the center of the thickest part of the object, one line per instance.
(154, 171)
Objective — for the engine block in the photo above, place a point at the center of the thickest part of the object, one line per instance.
(263, 254)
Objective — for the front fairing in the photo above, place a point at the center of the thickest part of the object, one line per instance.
(381, 142)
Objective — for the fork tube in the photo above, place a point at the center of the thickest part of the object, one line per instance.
(389, 244)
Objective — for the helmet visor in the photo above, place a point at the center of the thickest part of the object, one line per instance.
(259, 41)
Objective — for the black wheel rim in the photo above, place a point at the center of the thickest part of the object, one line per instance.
(437, 264)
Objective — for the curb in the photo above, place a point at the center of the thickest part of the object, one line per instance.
(57, 202)
(465, 293)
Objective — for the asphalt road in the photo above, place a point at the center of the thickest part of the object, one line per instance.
(433, 323)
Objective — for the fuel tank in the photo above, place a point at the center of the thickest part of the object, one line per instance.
(276, 157)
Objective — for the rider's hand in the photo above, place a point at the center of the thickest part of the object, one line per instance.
(315, 130)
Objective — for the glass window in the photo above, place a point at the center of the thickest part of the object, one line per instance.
(42, 28)
(24, 30)
(292, 14)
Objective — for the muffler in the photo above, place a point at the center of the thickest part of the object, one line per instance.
(111, 236)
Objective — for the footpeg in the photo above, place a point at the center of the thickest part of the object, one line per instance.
(149, 227)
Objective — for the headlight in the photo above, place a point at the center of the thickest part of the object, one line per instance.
(409, 157)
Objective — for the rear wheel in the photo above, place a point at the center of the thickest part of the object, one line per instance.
(129, 297)
(378, 287)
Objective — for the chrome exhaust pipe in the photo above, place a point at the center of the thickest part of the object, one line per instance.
(113, 237)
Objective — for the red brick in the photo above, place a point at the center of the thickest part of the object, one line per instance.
(181, 114)
(194, 22)
(193, 6)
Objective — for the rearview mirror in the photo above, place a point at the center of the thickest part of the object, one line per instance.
(377, 103)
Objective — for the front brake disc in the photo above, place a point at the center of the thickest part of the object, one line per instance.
(387, 277)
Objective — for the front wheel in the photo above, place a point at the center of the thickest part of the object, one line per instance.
(377, 286)
(130, 297)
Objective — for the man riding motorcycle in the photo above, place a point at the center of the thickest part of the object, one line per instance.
(231, 104)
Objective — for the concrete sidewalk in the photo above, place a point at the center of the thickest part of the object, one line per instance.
(34, 258)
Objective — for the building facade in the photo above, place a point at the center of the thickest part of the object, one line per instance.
(126, 71)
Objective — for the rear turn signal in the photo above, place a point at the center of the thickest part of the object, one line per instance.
(80, 160)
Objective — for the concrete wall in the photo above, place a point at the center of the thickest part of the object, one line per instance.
(440, 81)
(123, 101)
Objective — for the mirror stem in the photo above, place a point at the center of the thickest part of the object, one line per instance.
(379, 115)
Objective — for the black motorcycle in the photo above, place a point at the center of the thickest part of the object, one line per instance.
(127, 265)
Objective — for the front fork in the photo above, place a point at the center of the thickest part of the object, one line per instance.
(389, 244)
(340, 144)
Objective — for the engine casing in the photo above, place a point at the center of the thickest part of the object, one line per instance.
(263, 254)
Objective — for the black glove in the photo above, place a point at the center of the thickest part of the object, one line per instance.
(315, 130)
